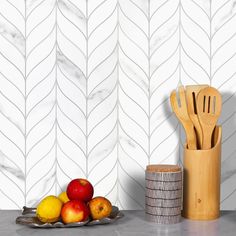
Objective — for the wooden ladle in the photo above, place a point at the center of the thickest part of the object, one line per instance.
(209, 104)
(182, 114)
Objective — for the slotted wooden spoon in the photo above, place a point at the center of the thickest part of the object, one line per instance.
(209, 104)
(181, 112)
(191, 95)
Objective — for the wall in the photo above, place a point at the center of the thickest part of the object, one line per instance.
(84, 92)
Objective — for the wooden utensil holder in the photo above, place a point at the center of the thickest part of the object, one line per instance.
(201, 188)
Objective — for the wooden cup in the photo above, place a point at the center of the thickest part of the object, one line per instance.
(201, 188)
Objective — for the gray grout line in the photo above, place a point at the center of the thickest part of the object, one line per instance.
(118, 81)
(149, 84)
(25, 118)
(86, 94)
(210, 72)
(56, 104)
(180, 80)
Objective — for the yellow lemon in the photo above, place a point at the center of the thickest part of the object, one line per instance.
(63, 197)
(49, 209)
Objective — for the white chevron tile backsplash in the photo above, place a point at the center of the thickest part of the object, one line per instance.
(84, 92)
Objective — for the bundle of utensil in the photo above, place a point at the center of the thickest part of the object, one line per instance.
(198, 108)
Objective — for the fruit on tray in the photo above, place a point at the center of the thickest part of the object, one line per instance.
(76, 204)
(63, 197)
(74, 211)
(80, 189)
(100, 207)
(49, 209)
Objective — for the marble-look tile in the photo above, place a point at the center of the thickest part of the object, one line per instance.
(85, 92)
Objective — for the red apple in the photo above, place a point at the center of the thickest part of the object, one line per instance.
(74, 211)
(80, 189)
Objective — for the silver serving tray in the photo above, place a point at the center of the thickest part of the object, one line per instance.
(28, 218)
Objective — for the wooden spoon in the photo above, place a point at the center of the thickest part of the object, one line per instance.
(182, 114)
(209, 104)
(191, 94)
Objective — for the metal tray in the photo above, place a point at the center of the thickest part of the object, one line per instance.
(28, 218)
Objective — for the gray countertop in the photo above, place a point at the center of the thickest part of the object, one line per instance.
(133, 223)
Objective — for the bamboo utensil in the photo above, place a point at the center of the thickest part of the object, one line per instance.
(182, 113)
(191, 95)
(198, 109)
(209, 103)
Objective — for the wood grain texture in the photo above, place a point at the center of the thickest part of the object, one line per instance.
(179, 107)
(163, 168)
(169, 176)
(209, 105)
(191, 95)
(201, 190)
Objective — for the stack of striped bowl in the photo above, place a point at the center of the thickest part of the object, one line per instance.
(163, 200)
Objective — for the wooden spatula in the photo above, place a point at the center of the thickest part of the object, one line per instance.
(209, 103)
(182, 114)
(191, 95)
